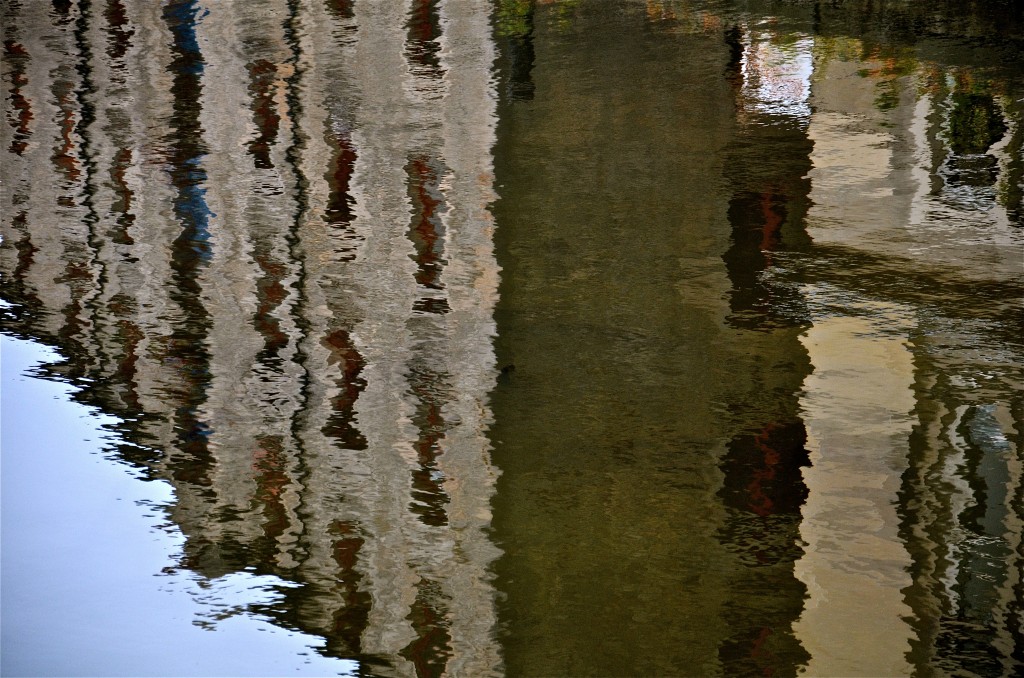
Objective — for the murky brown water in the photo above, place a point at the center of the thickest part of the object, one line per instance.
(532, 338)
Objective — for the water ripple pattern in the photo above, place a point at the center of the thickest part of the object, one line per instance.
(516, 337)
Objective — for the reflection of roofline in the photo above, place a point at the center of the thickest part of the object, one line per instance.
(945, 43)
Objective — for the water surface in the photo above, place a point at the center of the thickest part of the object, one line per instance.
(474, 338)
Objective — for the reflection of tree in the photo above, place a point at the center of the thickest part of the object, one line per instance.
(514, 28)
(514, 18)
(1011, 184)
(978, 162)
(975, 123)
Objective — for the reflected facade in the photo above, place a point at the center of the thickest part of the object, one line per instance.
(543, 337)
(283, 287)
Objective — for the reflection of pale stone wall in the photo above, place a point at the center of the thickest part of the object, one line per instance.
(876, 185)
(853, 178)
(384, 273)
(879, 188)
(471, 277)
(856, 407)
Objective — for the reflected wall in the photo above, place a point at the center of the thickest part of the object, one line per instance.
(269, 253)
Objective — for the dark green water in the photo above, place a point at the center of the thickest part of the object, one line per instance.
(582, 338)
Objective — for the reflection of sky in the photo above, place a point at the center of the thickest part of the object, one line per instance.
(190, 204)
(70, 517)
(777, 77)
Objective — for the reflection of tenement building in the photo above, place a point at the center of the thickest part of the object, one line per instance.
(283, 288)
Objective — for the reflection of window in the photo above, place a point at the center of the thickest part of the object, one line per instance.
(970, 171)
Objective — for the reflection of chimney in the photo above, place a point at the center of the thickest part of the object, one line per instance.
(515, 26)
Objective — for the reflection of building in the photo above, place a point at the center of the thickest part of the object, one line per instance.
(883, 146)
(907, 214)
(766, 166)
(286, 291)
(821, 174)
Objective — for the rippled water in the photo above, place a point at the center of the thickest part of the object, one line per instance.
(521, 337)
